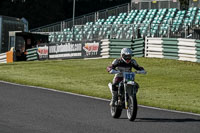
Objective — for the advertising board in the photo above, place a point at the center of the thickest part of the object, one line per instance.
(43, 52)
(65, 51)
(91, 49)
(72, 50)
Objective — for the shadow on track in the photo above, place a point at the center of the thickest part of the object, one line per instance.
(166, 120)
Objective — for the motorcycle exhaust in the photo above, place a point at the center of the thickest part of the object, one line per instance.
(110, 86)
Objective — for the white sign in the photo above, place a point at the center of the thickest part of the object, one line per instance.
(43, 52)
(65, 55)
(91, 48)
(65, 48)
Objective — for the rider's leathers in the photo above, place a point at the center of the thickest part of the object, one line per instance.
(122, 66)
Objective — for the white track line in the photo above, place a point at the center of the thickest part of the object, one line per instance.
(174, 111)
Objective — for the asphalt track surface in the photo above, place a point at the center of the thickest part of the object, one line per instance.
(33, 110)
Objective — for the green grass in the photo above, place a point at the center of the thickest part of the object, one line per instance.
(169, 84)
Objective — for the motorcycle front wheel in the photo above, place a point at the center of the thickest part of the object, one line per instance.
(132, 108)
(116, 111)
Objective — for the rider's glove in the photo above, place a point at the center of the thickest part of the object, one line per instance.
(141, 72)
(114, 71)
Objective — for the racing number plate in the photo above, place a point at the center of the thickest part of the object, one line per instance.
(129, 76)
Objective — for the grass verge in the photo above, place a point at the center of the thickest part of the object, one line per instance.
(169, 84)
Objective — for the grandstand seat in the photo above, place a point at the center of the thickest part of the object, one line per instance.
(130, 17)
(149, 22)
(197, 19)
(167, 21)
(178, 21)
(190, 16)
(110, 20)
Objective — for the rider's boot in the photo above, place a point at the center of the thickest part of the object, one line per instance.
(114, 98)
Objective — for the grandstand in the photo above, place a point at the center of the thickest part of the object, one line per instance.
(145, 18)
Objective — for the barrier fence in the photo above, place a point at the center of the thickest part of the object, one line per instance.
(6, 57)
(179, 49)
(198, 50)
(105, 48)
(112, 48)
(116, 46)
(169, 48)
(3, 58)
(138, 47)
(32, 54)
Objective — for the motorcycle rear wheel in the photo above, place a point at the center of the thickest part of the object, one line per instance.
(132, 108)
(116, 111)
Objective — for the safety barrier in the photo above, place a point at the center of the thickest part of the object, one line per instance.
(116, 45)
(138, 47)
(173, 48)
(6, 57)
(32, 54)
(170, 48)
(187, 50)
(198, 50)
(153, 47)
(3, 58)
(105, 48)
(112, 48)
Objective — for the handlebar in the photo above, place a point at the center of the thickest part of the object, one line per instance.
(136, 72)
(141, 72)
(115, 71)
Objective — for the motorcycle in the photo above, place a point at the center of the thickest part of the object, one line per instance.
(127, 90)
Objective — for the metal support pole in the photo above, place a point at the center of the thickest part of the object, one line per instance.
(74, 10)
(128, 7)
(97, 15)
(74, 2)
(61, 26)
(185, 32)
(131, 5)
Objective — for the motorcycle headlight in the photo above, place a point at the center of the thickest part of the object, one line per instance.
(130, 82)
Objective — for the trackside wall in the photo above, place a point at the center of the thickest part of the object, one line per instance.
(169, 48)
(173, 48)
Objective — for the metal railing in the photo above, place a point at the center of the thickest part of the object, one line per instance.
(111, 32)
(81, 20)
(104, 14)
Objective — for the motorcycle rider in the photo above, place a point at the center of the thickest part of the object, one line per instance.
(123, 64)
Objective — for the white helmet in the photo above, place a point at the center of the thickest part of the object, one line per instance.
(126, 55)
